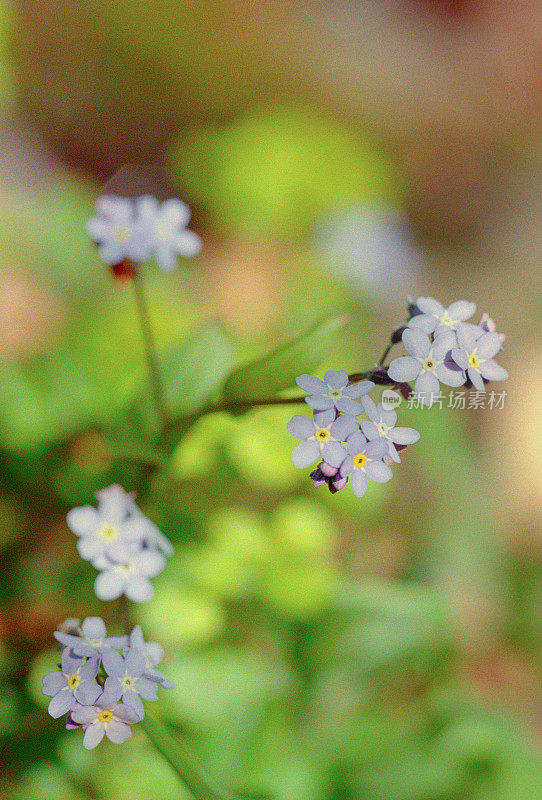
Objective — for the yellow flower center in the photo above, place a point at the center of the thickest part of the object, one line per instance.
(105, 716)
(73, 681)
(360, 460)
(429, 364)
(122, 234)
(474, 361)
(382, 428)
(109, 532)
(446, 319)
(322, 434)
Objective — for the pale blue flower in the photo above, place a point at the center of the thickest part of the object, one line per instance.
(167, 223)
(113, 527)
(321, 436)
(364, 460)
(152, 653)
(428, 363)
(474, 354)
(116, 231)
(126, 679)
(129, 577)
(434, 318)
(93, 639)
(105, 718)
(334, 392)
(75, 682)
(381, 424)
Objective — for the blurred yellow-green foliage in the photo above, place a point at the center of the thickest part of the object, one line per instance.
(322, 647)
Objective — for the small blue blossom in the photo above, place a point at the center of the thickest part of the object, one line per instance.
(364, 460)
(474, 354)
(434, 318)
(321, 437)
(126, 679)
(334, 392)
(105, 718)
(75, 682)
(93, 639)
(117, 232)
(428, 363)
(166, 223)
(130, 576)
(381, 424)
(152, 653)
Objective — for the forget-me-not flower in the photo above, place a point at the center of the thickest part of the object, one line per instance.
(93, 639)
(428, 363)
(364, 460)
(126, 679)
(105, 718)
(130, 577)
(334, 392)
(167, 223)
(434, 318)
(152, 653)
(381, 425)
(117, 232)
(474, 354)
(322, 436)
(73, 683)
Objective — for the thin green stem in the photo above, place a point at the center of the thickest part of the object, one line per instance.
(181, 760)
(150, 351)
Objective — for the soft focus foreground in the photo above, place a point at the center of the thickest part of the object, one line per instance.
(322, 646)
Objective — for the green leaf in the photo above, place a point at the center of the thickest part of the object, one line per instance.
(194, 369)
(278, 369)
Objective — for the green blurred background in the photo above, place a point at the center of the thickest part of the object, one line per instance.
(337, 157)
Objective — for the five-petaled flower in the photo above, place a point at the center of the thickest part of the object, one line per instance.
(126, 679)
(105, 718)
(321, 436)
(434, 318)
(73, 683)
(334, 392)
(428, 363)
(381, 425)
(364, 460)
(93, 639)
(166, 223)
(474, 354)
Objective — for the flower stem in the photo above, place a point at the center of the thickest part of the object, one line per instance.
(177, 755)
(150, 351)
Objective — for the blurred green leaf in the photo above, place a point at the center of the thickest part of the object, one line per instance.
(277, 169)
(278, 369)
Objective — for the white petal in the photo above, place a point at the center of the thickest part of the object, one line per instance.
(187, 243)
(83, 520)
(139, 589)
(108, 585)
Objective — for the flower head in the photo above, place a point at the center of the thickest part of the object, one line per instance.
(334, 392)
(434, 318)
(126, 679)
(474, 354)
(118, 539)
(322, 436)
(73, 683)
(428, 363)
(364, 460)
(93, 639)
(167, 223)
(381, 425)
(117, 232)
(153, 653)
(105, 718)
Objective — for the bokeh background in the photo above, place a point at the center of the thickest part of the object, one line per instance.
(338, 156)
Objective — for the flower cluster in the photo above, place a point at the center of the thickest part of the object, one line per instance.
(443, 348)
(121, 542)
(136, 230)
(348, 449)
(93, 678)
